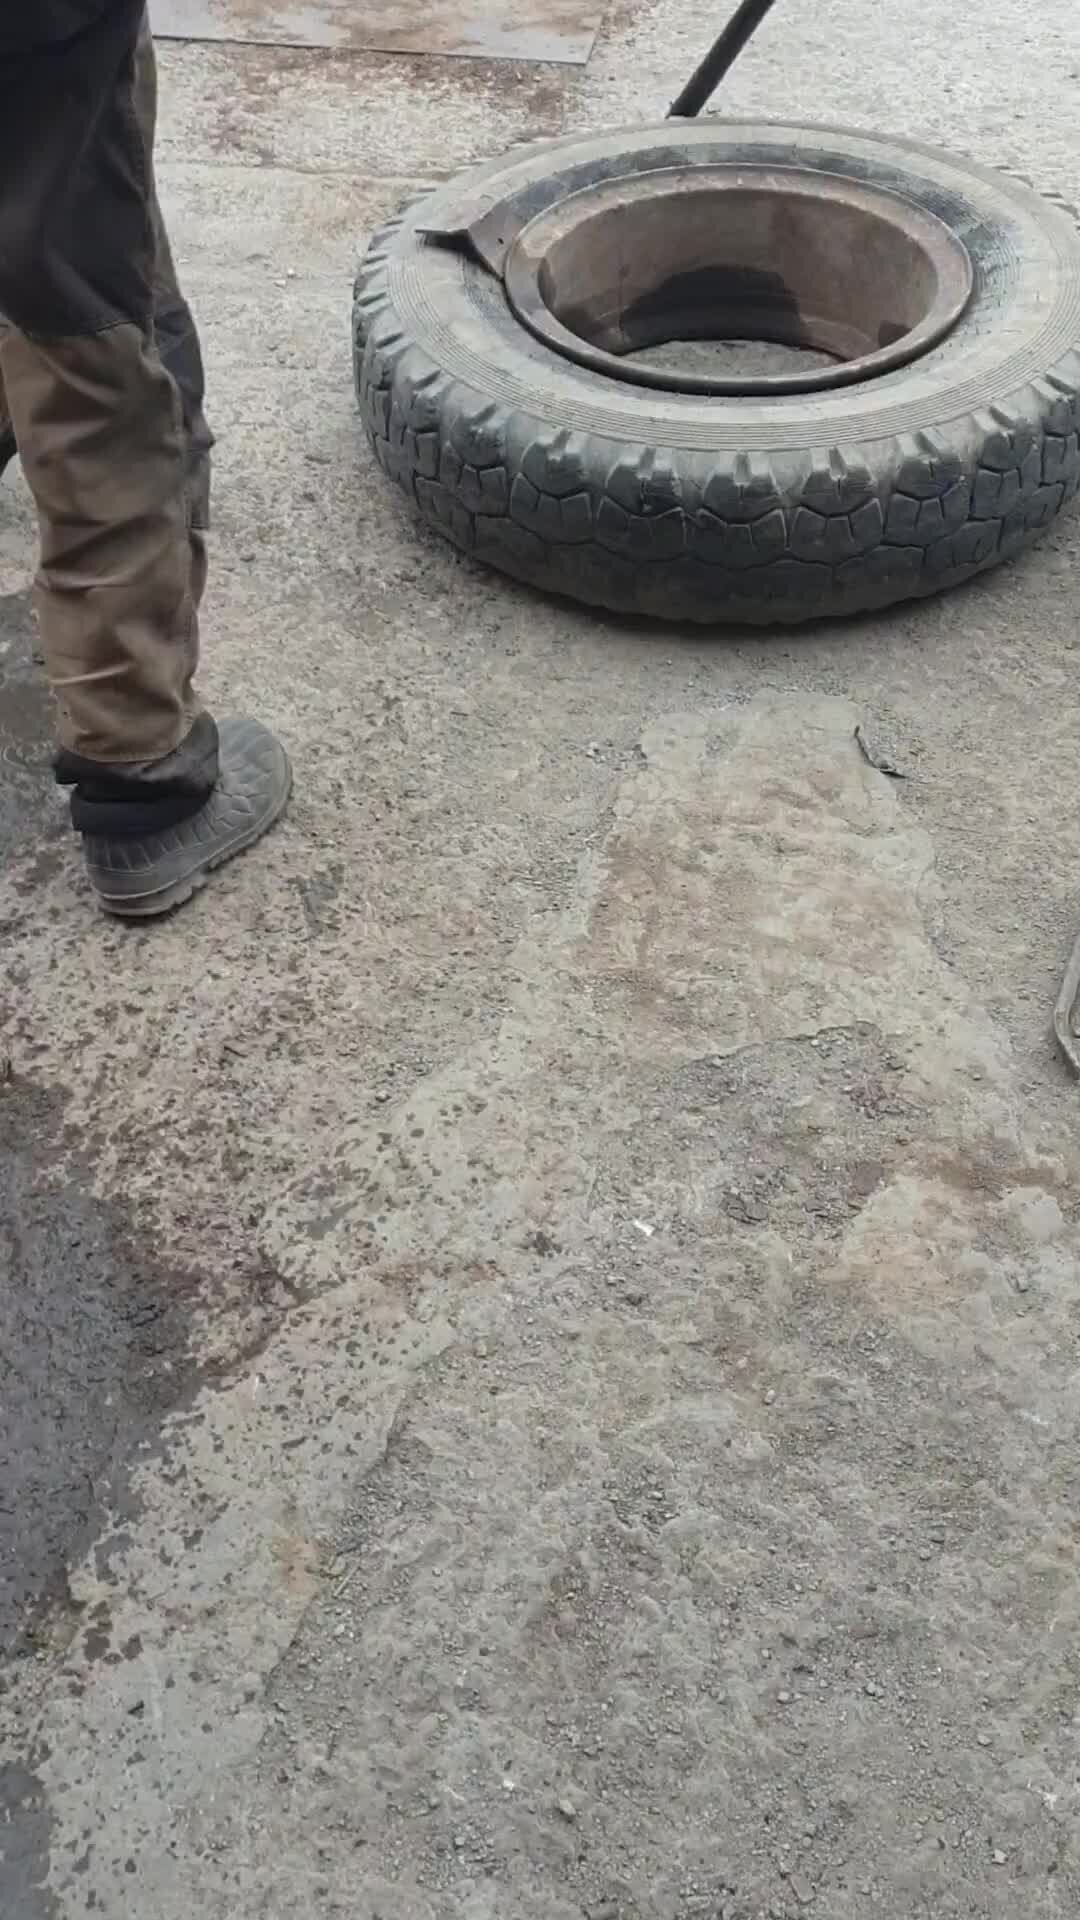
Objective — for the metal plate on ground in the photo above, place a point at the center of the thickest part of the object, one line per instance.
(558, 30)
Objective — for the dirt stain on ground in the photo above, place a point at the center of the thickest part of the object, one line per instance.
(25, 1828)
(557, 30)
(31, 816)
(250, 108)
(94, 1352)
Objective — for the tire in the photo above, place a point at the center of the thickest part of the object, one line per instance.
(742, 509)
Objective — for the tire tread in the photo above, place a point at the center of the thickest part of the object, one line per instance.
(744, 537)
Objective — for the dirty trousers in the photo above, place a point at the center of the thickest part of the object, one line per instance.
(102, 378)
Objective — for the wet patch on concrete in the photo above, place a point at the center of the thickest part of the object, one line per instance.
(31, 817)
(25, 1826)
(94, 1339)
(96, 1352)
(95, 1325)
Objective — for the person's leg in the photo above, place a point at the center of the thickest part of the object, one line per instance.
(8, 448)
(97, 416)
(100, 425)
(175, 334)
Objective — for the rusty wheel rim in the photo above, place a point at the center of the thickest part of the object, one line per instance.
(731, 253)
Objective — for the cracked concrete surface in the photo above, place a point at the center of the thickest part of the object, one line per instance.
(540, 1313)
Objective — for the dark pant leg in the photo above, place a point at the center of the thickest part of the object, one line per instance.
(99, 418)
(7, 437)
(175, 334)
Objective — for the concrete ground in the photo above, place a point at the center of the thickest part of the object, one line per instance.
(539, 1332)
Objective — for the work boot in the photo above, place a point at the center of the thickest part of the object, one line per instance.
(140, 875)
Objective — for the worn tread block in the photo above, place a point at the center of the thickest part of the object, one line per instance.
(995, 493)
(928, 465)
(662, 537)
(424, 451)
(569, 519)
(480, 438)
(721, 544)
(1061, 457)
(884, 566)
(815, 537)
(484, 490)
(377, 411)
(439, 506)
(837, 482)
(557, 464)
(504, 542)
(918, 523)
(742, 488)
(1044, 505)
(643, 483)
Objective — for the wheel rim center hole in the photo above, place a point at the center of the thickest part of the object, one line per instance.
(739, 264)
(819, 266)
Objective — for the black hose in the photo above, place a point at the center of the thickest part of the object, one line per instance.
(700, 88)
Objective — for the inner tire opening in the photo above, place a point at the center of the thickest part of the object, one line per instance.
(731, 359)
(620, 276)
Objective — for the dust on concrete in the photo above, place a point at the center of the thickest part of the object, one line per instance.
(687, 1583)
(648, 1489)
(29, 809)
(96, 1355)
(538, 30)
(250, 94)
(94, 1352)
(94, 1338)
(25, 1833)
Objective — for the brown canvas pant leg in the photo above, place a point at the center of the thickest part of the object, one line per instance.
(104, 430)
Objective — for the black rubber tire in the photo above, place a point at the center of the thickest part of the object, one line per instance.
(741, 510)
